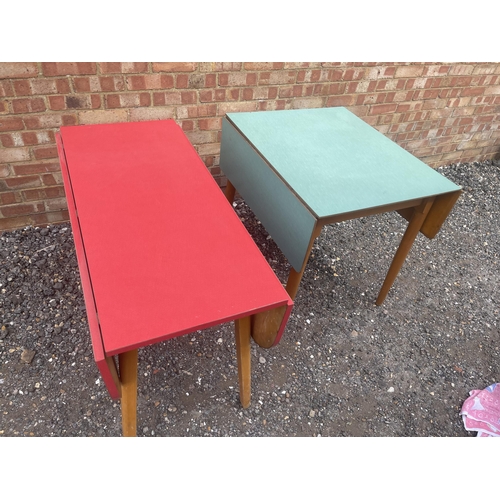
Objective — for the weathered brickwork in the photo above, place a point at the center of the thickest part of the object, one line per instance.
(441, 112)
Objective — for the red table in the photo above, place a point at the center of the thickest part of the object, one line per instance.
(161, 252)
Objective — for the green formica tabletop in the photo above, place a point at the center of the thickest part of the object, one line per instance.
(299, 170)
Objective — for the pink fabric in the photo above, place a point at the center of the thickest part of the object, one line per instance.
(481, 411)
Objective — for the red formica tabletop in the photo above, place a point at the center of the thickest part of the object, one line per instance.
(161, 251)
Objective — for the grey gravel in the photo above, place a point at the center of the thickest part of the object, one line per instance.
(344, 366)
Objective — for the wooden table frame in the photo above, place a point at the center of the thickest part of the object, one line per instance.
(118, 363)
(263, 184)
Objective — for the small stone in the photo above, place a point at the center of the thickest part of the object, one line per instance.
(3, 332)
(391, 389)
(262, 360)
(44, 231)
(27, 356)
(312, 413)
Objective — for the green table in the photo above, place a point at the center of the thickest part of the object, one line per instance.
(300, 170)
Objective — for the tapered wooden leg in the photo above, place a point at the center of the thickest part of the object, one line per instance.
(242, 331)
(230, 192)
(265, 325)
(128, 378)
(411, 232)
(294, 278)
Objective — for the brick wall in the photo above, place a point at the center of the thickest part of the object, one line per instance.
(441, 112)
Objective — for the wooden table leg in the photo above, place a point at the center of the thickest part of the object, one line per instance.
(242, 331)
(128, 378)
(411, 232)
(265, 325)
(230, 192)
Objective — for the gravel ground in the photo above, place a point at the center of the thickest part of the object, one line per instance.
(344, 366)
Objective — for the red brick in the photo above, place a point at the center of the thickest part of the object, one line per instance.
(18, 70)
(211, 80)
(128, 100)
(292, 91)
(39, 137)
(69, 68)
(59, 85)
(473, 91)
(52, 120)
(21, 209)
(353, 74)
(35, 168)
(207, 95)
(210, 124)
(95, 101)
(43, 193)
(57, 102)
(383, 109)
(247, 94)
(74, 101)
(28, 105)
(6, 89)
(174, 67)
(217, 95)
(9, 123)
(187, 125)
(182, 81)
(188, 97)
(113, 101)
(23, 182)
(82, 84)
(10, 198)
(336, 88)
(166, 98)
(22, 87)
(42, 86)
(143, 82)
(45, 152)
(50, 180)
